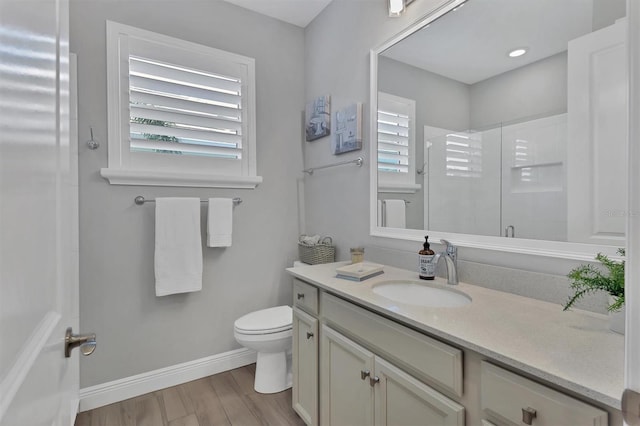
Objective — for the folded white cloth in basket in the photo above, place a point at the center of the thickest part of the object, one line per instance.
(310, 240)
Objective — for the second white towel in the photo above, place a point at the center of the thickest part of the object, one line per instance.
(220, 222)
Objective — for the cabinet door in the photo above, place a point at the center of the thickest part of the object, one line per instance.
(403, 400)
(346, 396)
(305, 366)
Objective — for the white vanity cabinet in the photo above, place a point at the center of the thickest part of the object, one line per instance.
(353, 365)
(361, 388)
(346, 391)
(305, 352)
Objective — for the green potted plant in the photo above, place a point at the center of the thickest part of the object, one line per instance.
(589, 278)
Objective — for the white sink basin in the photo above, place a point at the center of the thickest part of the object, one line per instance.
(420, 293)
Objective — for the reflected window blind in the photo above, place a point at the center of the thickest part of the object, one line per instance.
(464, 155)
(393, 142)
(183, 111)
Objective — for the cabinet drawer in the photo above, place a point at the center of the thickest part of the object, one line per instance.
(305, 296)
(428, 359)
(506, 397)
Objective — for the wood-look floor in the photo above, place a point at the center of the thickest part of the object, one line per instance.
(223, 399)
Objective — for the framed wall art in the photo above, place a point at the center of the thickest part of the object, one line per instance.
(318, 118)
(348, 132)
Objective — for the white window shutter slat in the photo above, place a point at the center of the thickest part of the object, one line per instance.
(222, 126)
(187, 106)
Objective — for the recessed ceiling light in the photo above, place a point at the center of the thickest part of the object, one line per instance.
(517, 52)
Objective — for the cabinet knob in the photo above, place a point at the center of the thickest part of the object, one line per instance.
(309, 335)
(300, 296)
(528, 414)
(364, 374)
(374, 380)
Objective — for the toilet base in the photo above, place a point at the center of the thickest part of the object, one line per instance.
(273, 372)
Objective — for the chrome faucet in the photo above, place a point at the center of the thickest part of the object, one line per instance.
(450, 256)
(452, 251)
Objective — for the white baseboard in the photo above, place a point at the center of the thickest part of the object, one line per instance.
(129, 387)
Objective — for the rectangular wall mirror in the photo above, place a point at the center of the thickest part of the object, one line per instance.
(502, 124)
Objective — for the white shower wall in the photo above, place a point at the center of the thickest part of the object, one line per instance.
(534, 198)
(481, 182)
(457, 200)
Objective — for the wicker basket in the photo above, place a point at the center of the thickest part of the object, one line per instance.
(323, 252)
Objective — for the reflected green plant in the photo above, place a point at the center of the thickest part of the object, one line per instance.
(588, 278)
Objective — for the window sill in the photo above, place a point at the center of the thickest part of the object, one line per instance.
(399, 188)
(163, 178)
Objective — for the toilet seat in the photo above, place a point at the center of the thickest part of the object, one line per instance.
(265, 321)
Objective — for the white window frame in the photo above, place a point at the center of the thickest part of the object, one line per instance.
(127, 168)
(399, 182)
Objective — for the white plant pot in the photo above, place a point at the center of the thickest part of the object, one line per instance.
(616, 319)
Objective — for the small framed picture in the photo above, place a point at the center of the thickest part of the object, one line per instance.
(318, 118)
(348, 134)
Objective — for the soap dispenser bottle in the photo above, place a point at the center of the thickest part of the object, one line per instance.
(427, 267)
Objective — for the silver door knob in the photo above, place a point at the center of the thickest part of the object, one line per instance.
(86, 342)
(374, 380)
(364, 374)
(528, 414)
(300, 296)
(309, 335)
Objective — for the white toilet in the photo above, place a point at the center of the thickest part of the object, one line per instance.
(269, 333)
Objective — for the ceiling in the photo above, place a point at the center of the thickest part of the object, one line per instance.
(296, 12)
(471, 44)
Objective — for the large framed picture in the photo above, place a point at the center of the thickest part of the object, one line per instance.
(318, 118)
(348, 134)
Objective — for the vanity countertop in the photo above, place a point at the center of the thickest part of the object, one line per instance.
(574, 350)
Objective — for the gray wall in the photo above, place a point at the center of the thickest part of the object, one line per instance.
(605, 12)
(137, 331)
(337, 45)
(537, 89)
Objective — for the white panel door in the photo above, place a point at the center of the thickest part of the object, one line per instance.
(346, 390)
(403, 400)
(305, 366)
(38, 216)
(597, 137)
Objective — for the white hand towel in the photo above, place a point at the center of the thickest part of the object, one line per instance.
(395, 215)
(220, 222)
(178, 258)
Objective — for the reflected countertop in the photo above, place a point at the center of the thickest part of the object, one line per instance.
(574, 350)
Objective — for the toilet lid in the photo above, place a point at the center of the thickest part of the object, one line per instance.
(271, 320)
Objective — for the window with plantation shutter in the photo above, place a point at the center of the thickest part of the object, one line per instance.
(464, 154)
(396, 144)
(180, 113)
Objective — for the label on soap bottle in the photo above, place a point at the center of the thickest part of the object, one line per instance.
(426, 267)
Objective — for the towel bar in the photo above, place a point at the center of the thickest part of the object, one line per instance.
(140, 200)
(358, 162)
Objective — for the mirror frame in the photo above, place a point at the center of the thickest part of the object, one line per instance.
(553, 249)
